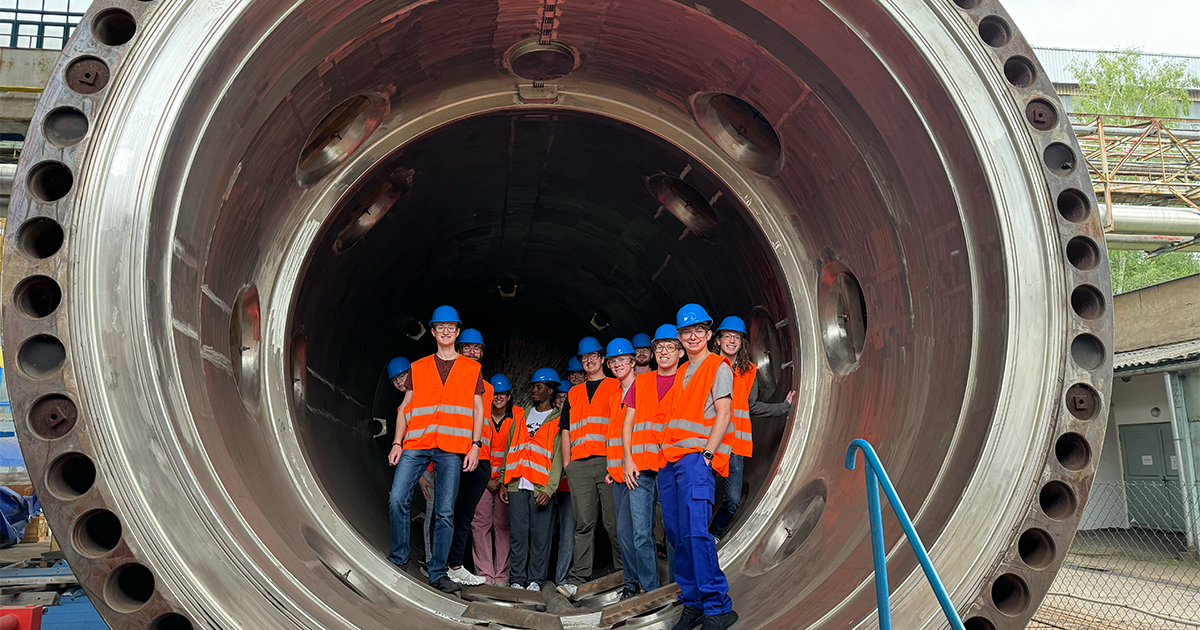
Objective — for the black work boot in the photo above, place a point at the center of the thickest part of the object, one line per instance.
(446, 585)
(719, 622)
(689, 619)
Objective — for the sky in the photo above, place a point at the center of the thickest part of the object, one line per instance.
(1154, 26)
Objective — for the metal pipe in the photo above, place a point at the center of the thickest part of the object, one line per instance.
(1132, 132)
(8, 172)
(1183, 479)
(1156, 220)
(1132, 242)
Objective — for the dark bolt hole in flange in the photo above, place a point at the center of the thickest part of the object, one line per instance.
(53, 417)
(87, 76)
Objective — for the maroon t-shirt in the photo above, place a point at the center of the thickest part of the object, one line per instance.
(444, 367)
(664, 386)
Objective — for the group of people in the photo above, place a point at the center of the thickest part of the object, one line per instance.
(672, 417)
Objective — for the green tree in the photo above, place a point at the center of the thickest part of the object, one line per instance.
(1123, 83)
(1135, 270)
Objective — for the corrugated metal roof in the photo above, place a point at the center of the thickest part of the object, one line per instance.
(1057, 60)
(1147, 357)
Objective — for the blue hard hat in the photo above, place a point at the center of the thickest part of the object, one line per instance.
(546, 375)
(470, 335)
(666, 331)
(641, 340)
(573, 365)
(588, 345)
(564, 386)
(734, 323)
(618, 347)
(397, 366)
(444, 314)
(500, 383)
(690, 315)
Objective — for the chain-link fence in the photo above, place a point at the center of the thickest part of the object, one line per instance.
(1133, 564)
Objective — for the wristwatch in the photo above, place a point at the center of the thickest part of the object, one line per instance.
(478, 443)
(708, 455)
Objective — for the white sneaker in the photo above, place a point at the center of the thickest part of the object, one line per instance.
(517, 586)
(533, 586)
(568, 590)
(462, 576)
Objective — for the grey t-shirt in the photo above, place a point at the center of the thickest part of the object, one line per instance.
(722, 386)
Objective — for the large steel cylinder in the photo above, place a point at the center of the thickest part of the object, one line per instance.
(229, 215)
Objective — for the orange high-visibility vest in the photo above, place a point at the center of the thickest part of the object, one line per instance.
(442, 416)
(743, 439)
(614, 446)
(531, 457)
(650, 417)
(589, 418)
(485, 451)
(500, 438)
(688, 429)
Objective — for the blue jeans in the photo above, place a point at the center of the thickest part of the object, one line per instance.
(733, 496)
(687, 488)
(635, 528)
(566, 537)
(447, 467)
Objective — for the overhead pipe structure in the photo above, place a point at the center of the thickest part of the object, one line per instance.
(228, 216)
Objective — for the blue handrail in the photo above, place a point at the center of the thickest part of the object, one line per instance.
(876, 476)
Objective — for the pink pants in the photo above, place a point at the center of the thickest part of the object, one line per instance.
(491, 515)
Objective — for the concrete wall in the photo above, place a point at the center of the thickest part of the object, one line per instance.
(1159, 315)
(22, 68)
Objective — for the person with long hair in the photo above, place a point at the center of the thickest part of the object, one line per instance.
(732, 344)
(490, 525)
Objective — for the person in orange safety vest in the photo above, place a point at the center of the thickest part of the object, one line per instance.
(439, 422)
(696, 445)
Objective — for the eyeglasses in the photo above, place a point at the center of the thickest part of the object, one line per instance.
(445, 327)
(621, 359)
(664, 348)
(693, 332)
(730, 336)
(591, 356)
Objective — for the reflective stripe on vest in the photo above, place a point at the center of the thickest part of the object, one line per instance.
(442, 414)
(743, 441)
(531, 457)
(589, 418)
(688, 431)
(485, 451)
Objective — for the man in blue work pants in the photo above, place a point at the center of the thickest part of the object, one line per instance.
(687, 489)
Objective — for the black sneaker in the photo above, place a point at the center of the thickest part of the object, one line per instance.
(627, 593)
(690, 618)
(424, 567)
(446, 585)
(719, 622)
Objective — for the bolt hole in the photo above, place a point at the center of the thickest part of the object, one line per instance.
(40, 238)
(978, 623)
(53, 416)
(1082, 401)
(1010, 595)
(97, 533)
(1082, 253)
(1073, 205)
(171, 621)
(1087, 351)
(1072, 451)
(37, 297)
(1087, 301)
(71, 476)
(65, 127)
(1020, 72)
(41, 355)
(1041, 114)
(1059, 158)
(1036, 548)
(49, 181)
(113, 27)
(129, 588)
(967, 5)
(994, 31)
(1057, 501)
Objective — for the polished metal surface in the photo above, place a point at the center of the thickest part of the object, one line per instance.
(271, 197)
